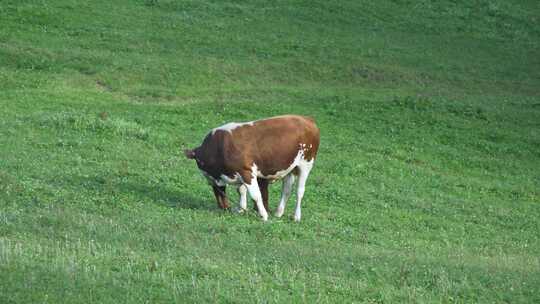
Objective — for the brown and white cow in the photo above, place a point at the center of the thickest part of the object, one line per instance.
(252, 154)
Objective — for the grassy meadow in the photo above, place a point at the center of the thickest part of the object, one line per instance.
(426, 188)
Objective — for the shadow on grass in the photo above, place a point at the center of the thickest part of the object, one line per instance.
(158, 195)
(166, 197)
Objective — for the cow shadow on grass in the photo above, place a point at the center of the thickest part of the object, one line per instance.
(154, 194)
(168, 197)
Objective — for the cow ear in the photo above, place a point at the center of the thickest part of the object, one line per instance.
(189, 154)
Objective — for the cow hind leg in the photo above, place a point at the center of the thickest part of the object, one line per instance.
(286, 190)
(304, 168)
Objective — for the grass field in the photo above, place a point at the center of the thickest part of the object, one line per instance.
(426, 189)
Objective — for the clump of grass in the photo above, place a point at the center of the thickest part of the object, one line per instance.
(418, 103)
(101, 123)
(150, 2)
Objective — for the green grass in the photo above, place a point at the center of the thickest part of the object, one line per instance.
(426, 188)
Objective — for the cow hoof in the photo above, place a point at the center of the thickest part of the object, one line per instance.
(239, 210)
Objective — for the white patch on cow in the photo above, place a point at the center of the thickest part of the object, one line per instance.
(223, 180)
(229, 127)
(282, 173)
(236, 179)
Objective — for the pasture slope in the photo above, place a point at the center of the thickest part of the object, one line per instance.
(426, 189)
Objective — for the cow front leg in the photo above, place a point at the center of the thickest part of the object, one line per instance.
(242, 192)
(221, 197)
(263, 186)
(255, 194)
(250, 181)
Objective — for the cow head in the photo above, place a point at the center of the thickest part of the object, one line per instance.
(193, 154)
(190, 154)
(219, 190)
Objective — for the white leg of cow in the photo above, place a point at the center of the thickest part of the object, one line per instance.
(255, 194)
(242, 192)
(286, 190)
(304, 168)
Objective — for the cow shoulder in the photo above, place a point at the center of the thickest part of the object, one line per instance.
(232, 151)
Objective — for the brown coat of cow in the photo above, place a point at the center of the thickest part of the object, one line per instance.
(253, 154)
